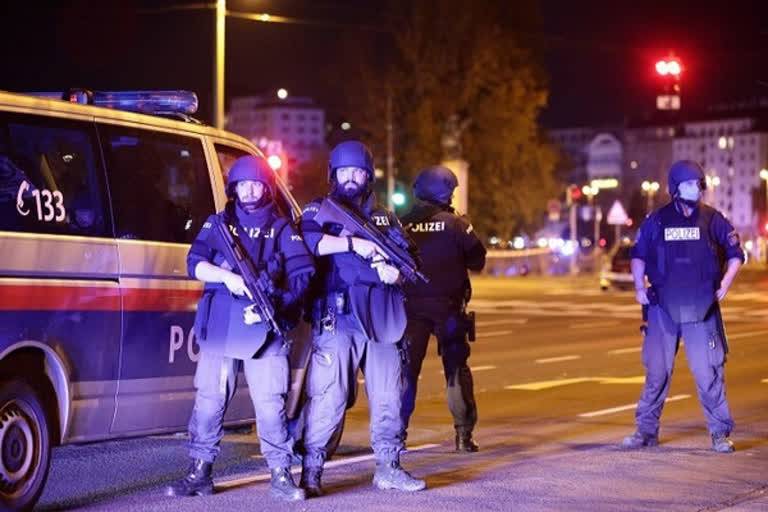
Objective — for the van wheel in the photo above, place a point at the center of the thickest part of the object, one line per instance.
(25, 446)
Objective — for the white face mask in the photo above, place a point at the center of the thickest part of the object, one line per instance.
(689, 190)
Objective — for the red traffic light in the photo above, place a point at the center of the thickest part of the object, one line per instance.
(576, 193)
(668, 67)
(765, 228)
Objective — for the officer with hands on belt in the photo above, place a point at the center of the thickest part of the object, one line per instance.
(448, 247)
(683, 248)
(228, 340)
(359, 320)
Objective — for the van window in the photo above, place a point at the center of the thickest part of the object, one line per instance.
(51, 177)
(158, 182)
(227, 156)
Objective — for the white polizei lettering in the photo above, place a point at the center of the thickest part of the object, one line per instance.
(428, 227)
(469, 229)
(681, 234)
(296, 238)
(176, 341)
(194, 356)
(381, 220)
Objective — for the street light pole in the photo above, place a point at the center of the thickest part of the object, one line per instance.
(390, 155)
(650, 188)
(218, 65)
(572, 268)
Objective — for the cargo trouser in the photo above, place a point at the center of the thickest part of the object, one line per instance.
(336, 357)
(705, 347)
(216, 381)
(441, 317)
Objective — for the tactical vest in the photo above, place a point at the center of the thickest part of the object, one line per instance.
(351, 285)
(687, 263)
(433, 229)
(219, 322)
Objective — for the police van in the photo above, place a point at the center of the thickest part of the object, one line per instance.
(100, 197)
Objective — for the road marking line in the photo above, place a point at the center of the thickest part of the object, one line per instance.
(603, 412)
(244, 480)
(745, 334)
(625, 350)
(764, 381)
(475, 369)
(590, 325)
(556, 359)
(640, 379)
(488, 323)
(482, 368)
(495, 333)
(546, 384)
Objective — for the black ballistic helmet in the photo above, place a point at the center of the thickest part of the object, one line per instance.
(684, 170)
(351, 153)
(250, 167)
(435, 183)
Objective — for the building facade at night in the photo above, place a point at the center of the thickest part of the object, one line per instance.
(296, 122)
(730, 145)
(732, 152)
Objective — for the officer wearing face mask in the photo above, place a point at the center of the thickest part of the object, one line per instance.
(691, 255)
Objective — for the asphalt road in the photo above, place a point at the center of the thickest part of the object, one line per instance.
(557, 373)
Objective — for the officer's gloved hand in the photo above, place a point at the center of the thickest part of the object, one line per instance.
(234, 283)
(387, 273)
(366, 249)
(641, 295)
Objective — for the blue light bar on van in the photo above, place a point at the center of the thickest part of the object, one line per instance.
(147, 102)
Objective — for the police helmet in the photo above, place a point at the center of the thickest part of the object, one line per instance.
(684, 170)
(435, 183)
(250, 167)
(351, 153)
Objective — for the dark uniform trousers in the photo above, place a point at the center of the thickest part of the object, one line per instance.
(705, 349)
(336, 357)
(441, 317)
(216, 381)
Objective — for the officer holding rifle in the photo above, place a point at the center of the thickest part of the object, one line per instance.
(359, 318)
(256, 268)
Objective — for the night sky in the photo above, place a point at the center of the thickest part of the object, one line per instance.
(599, 55)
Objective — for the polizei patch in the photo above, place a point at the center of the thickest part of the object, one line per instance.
(424, 227)
(681, 234)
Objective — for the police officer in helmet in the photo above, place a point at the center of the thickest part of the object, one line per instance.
(448, 247)
(229, 341)
(691, 255)
(359, 321)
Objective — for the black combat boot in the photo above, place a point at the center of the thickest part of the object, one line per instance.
(464, 442)
(197, 481)
(282, 487)
(721, 443)
(310, 481)
(390, 475)
(640, 440)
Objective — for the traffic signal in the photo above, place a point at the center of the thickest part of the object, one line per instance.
(399, 198)
(669, 67)
(275, 162)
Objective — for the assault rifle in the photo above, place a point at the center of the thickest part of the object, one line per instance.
(259, 285)
(393, 244)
